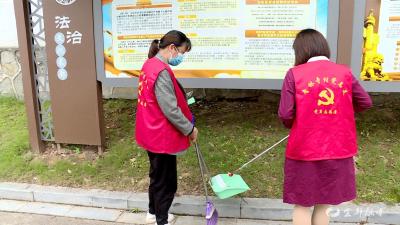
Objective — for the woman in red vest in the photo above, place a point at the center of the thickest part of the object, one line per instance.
(164, 123)
(318, 101)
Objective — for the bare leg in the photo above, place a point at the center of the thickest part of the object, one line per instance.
(301, 215)
(320, 215)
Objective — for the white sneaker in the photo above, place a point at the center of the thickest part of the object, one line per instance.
(151, 218)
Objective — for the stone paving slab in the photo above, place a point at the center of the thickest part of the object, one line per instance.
(137, 218)
(11, 205)
(8, 218)
(45, 209)
(94, 213)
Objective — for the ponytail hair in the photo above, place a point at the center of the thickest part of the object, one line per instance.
(174, 37)
(154, 48)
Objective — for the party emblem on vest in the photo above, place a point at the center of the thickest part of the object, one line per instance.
(326, 98)
(142, 83)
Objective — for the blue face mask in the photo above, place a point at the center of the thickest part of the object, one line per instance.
(176, 60)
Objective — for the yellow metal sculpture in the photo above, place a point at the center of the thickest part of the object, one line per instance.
(372, 60)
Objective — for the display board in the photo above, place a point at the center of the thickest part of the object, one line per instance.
(236, 43)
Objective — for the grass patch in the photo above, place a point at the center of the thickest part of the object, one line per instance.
(230, 134)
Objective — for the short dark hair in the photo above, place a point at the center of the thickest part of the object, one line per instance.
(174, 37)
(310, 43)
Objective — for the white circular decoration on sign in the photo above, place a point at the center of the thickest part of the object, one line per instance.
(60, 50)
(62, 74)
(65, 2)
(59, 38)
(61, 62)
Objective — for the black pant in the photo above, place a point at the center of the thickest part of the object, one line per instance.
(163, 185)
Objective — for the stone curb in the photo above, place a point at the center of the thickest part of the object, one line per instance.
(245, 208)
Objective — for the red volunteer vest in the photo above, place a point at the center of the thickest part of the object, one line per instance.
(153, 130)
(324, 127)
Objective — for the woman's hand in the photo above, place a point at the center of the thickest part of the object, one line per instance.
(193, 136)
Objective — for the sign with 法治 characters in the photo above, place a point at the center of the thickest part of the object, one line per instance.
(64, 37)
(70, 49)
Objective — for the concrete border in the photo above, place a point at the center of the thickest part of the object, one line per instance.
(244, 208)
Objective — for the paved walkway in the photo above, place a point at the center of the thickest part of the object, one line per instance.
(32, 213)
(8, 218)
(113, 206)
(109, 206)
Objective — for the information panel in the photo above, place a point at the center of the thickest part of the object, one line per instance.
(242, 39)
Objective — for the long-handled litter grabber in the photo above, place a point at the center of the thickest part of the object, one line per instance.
(211, 211)
(231, 184)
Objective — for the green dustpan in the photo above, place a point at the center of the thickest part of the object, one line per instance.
(225, 186)
(228, 185)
